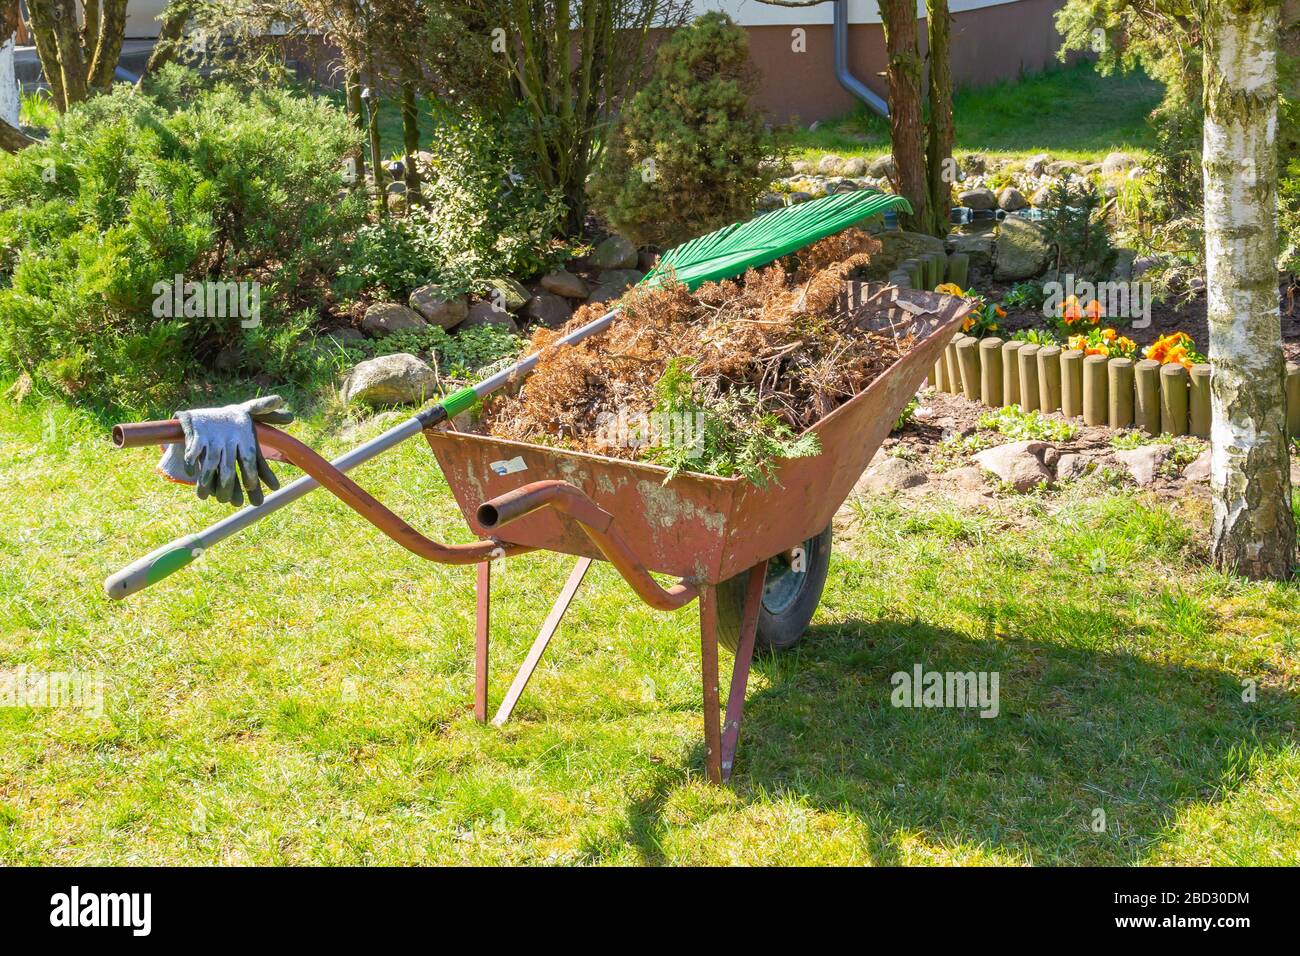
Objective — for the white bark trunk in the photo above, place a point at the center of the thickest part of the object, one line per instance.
(1254, 530)
(8, 85)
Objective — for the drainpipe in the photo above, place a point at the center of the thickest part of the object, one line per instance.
(847, 79)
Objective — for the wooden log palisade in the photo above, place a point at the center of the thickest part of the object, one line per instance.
(1121, 393)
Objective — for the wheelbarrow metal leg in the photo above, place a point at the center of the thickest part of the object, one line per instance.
(483, 593)
(709, 673)
(740, 670)
(544, 636)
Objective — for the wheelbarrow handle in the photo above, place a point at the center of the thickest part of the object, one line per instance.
(172, 557)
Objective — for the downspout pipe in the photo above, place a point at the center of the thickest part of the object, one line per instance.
(847, 79)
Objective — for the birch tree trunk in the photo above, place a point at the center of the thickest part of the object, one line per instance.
(1254, 530)
(8, 84)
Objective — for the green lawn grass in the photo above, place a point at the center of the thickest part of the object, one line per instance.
(302, 694)
(1071, 112)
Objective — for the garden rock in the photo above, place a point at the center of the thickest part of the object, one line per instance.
(890, 474)
(769, 201)
(385, 318)
(1071, 466)
(615, 252)
(508, 293)
(1036, 165)
(438, 308)
(1144, 463)
(977, 198)
(562, 282)
(967, 478)
(1019, 464)
(486, 313)
(548, 309)
(976, 163)
(853, 166)
(1122, 271)
(1198, 470)
(343, 334)
(897, 245)
(1012, 199)
(882, 167)
(397, 379)
(1062, 168)
(647, 259)
(829, 164)
(1022, 250)
(1040, 198)
(1118, 162)
(977, 245)
(621, 278)
(800, 196)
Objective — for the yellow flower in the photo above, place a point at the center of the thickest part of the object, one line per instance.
(949, 288)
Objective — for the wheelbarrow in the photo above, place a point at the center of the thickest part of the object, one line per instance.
(755, 557)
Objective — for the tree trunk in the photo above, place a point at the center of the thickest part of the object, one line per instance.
(41, 15)
(8, 40)
(107, 49)
(906, 126)
(410, 139)
(939, 141)
(72, 58)
(1254, 530)
(175, 18)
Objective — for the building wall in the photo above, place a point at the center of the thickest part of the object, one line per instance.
(990, 42)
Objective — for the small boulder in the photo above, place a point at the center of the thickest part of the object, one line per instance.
(882, 167)
(1144, 462)
(1022, 250)
(1198, 470)
(889, 474)
(548, 309)
(978, 246)
(829, 164)
(344, 334)
(1036, 165)
(397, 379)
(967, 478)
(615, 252)
(977, 198)
(1072, 466)
(1118, 162)
(975, 163)
(768, 201)
(622, 278)
(507, 293)
(1062, 168)
(565, 283)
(1012, 199)
(853, 166)
(385, 318)
(485, 313)
(435, 306)
(1019, 464)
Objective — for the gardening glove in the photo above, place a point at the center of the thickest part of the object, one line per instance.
(221, 450)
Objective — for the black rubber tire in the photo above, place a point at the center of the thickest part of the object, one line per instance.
(778, 628)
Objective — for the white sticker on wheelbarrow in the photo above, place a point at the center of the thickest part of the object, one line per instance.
(509, 467)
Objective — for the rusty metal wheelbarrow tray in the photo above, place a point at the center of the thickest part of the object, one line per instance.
(700, 527)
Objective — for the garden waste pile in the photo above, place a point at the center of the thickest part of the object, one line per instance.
(722, 381)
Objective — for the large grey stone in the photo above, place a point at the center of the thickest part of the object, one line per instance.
(1022, 250)
(890, 474)
(397, 379)
(548, 309)
(1019, 464)
(507, 293)
(1144, 462)
(442, 310)
(897, 245)
(1198, 470)
(977, 245)
(385, 318)
(1071, 466)
(1036, 165)
(1063, 167)
(853, 166)
(981, 198)
(615, 252)
(1012, 199)
(622, 278)
(485, 313)
(561, 282)
(882, 167)
(1118, 162)
(829, 164)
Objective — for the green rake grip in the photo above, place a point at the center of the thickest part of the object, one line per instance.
(153, 567)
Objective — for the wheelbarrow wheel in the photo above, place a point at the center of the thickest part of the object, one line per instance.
(790, 599)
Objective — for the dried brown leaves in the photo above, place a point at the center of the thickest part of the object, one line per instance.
(785, 331)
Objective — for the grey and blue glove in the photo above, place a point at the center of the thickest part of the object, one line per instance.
(221, 450)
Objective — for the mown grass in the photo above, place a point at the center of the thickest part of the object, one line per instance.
(302, 694)
(1071, 112)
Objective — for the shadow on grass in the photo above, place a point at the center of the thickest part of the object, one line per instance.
(1078, 730)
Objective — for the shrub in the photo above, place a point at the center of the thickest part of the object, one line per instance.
(484, 213)
(96, 223)
(1073, 220)
(690, 151)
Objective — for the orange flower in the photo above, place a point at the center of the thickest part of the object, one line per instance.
(1093, 311)
(967, 323)
(1001, 312)
(1108, 334)
(1070, 311)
